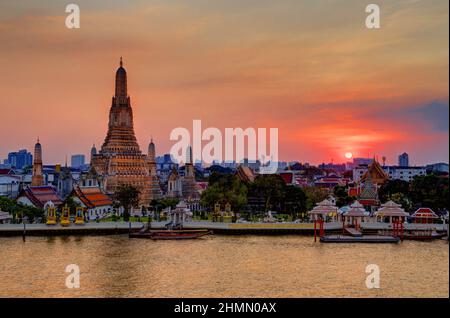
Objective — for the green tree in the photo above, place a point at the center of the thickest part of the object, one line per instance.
(392, 187)
(11, 206)
(126, 196)
(294, 200)
(212, 195)
(342, 197)
(430, 191)
(314, 195)
(271, 188)
(225, 188)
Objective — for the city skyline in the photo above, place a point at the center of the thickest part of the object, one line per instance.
(312, 70)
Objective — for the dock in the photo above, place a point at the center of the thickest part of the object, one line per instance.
(353, 232)
(358, 239)
(244, 228)
(101, 228)
(111, 228)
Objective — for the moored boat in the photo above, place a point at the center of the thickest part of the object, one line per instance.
(423, 236)
(171, 234)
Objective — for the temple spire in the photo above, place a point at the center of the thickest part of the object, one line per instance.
(121, 84)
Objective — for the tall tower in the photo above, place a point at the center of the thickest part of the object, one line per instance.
(120, 161)
(189, 185)
(155, 188)
(37, 179)
(403, 160)
(151, 151)
(189, 172)
(120, 137)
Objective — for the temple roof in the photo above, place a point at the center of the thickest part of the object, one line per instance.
(356, 210)
(376, 173)
(369, 190)
(324, 207)
(245, 173)
(91, 196)
(425, 213)
(40, 195)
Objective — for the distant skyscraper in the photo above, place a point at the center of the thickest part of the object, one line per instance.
(77, 161)
(362, 161)
(37, 178)
(403, 160)
(20, 159)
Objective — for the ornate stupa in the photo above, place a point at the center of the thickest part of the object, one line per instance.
(120, 161)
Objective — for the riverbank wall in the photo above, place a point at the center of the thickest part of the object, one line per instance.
(116, 228)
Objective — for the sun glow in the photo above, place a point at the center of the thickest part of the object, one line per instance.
(348, 155)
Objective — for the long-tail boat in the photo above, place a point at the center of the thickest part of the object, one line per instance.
(170, 233)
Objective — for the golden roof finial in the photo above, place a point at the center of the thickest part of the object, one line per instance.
(121, 62)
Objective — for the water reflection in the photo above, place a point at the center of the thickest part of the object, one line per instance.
(220, 266)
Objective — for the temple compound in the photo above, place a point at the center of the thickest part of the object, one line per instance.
(120, 161)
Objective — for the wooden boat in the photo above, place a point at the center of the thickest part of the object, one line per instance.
(424, 236)
(170, 234)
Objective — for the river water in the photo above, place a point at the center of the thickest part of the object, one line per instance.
(220, 266)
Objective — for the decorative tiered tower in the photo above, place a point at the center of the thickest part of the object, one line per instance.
(189, 185)
(37, 179)
(120, 161)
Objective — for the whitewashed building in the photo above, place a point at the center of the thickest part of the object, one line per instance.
(9, 186)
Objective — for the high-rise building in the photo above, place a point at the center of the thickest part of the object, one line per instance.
(77, 161)
(37, 178)
(403, 160)
(20, 159)
(362, 161)
(120, 161)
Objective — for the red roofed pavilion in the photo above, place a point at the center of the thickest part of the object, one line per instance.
(424, 215)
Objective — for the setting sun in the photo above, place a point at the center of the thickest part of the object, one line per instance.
(348, 155)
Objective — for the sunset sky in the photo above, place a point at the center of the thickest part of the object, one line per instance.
(310, 68)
